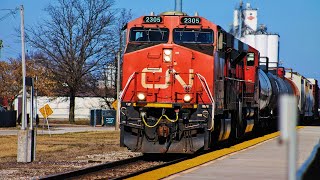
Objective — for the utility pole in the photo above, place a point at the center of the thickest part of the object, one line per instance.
(24, 97)
(26, 137)
(117, 124)
(22, 154)
(118, 92)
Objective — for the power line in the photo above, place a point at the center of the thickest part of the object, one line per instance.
(11, 12)
(1, 46)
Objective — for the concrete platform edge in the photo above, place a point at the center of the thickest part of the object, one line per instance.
(191, 163)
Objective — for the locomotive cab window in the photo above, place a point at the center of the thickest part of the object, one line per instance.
(193, 36)
(140, 34)
(250, 59)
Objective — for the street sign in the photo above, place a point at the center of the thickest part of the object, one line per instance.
(46, 111)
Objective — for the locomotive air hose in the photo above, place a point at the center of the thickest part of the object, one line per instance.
(152, 126)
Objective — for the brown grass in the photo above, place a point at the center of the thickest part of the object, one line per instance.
(62, 152)
(8, 146)
(67, 144)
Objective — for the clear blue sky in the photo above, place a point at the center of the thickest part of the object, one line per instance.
(297, 22)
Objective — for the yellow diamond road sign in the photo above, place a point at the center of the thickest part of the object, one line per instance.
(46, 111)
(115, 104)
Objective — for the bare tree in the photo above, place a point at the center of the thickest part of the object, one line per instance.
(107, 76)
(75, 40)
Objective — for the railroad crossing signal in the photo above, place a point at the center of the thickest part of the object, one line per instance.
(46, 111)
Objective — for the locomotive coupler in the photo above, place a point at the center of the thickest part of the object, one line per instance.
(163, 131)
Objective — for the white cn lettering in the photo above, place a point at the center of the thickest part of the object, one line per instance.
(167, 78)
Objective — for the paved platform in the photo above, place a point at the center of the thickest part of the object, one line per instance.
(58, 130)
(267, 160)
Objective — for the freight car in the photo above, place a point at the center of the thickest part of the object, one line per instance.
(307, 90)
(280, 80)
(188, 84)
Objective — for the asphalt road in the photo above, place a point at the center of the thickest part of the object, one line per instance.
(57, 129)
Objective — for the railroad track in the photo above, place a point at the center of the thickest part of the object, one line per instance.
(119, 169)
(134, 166)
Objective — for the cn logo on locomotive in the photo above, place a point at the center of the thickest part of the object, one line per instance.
(167, 78)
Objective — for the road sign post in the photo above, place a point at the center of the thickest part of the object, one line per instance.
(46, 111)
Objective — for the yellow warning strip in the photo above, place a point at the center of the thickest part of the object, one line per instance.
(190, 163)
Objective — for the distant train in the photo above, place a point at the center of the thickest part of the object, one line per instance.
(188, 84)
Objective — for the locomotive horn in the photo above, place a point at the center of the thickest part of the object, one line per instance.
(178, 5)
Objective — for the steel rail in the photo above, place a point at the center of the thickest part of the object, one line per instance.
(152, 168)
(92, 169)
(123, 163)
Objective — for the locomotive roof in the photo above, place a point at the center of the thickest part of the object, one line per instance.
(173, 13)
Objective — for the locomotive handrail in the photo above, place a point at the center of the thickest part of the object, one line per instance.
(207, 89)
(126, 86)
(122, 93)
(240, 80)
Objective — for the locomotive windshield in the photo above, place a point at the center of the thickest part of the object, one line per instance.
(201, 36)
(141, 34)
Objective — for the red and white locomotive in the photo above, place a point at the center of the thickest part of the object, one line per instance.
(188, 84)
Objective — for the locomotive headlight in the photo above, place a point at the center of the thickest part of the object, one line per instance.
(187, 98)
(167, 52)
(167, 55)
(167, 58)
(141, 96)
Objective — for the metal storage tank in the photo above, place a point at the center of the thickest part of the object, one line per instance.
(278, 88)
(315, 92)
(273, 50)
(295, 89)
(250, 39)
(251, 19)
(297, 79)
(309, 102)
(312, 81)
(243, 39)
(261, 44)
(235, 18)
(265, 90)
(309, 105)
